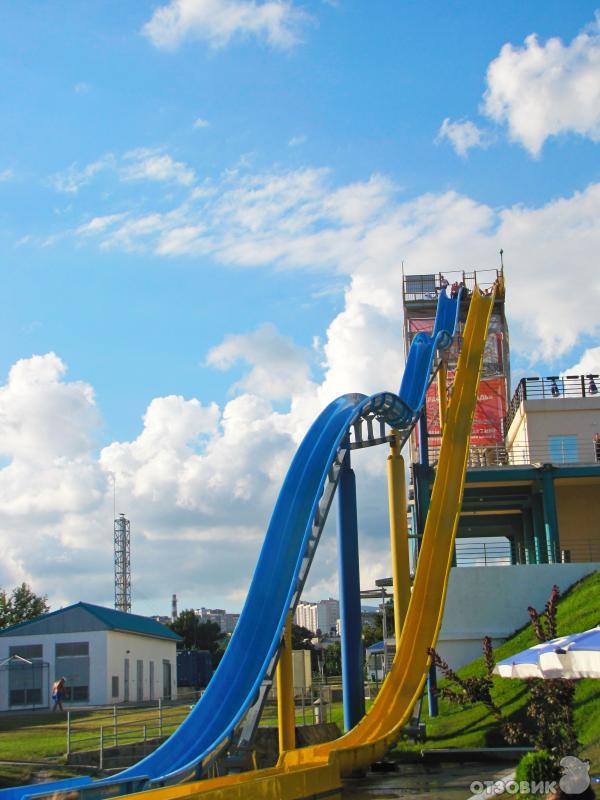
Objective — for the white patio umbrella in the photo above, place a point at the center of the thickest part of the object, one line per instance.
(573, 656)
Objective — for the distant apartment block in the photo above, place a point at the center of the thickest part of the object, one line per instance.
(225, 620)
(321, 616)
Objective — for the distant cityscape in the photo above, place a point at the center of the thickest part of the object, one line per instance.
(321, 618)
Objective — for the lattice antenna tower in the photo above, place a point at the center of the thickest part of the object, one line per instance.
(122, 564)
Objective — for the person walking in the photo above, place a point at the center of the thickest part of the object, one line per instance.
(58, 688)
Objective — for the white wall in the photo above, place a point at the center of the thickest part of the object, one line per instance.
(107, 652)
(536, 420)
(493, 601)
(145, 648)
(97, 655)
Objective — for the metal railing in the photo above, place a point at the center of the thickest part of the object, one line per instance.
(312, 706)
(125, 725)
(428, 286)
(561, 451)
(553, 387)
(505, 553)
(582, 552)
(484, 554)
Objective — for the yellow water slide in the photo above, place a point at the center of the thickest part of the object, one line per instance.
(316, 771)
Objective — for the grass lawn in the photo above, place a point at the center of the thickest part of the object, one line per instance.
(472, 726)
(42, 736)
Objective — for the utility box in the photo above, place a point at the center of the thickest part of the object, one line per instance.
(302, 669)
(194, 668)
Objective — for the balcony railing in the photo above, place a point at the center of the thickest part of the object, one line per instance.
(502, 553)
(428, 286)
(553, 387)
(561, 451)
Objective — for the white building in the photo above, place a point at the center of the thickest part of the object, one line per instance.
(231, 620)
(216, 615)
(306, 616)
(106, 656)
(321, 616)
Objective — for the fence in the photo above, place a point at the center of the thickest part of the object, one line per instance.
(558, 450)
(551, 388)
(428, 286)
(312, 706)
(122, 726)
(503, 552)
(484, 554)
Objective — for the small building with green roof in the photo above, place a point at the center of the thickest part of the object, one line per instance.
(106, 657)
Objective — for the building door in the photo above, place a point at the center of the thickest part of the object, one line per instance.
(151, 680)
(126, 681)
(166, 680)
(140, 681)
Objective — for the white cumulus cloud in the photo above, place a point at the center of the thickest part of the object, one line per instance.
(278, 22)
(299, 219)
(279, 368)
(545, 89)
(154, 165)
(463, 135)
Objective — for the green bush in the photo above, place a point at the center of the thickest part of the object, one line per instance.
(537, 767)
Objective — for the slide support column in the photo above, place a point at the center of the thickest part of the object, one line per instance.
(286, 712)
(350, 610)
(398, 535)
(424, 459)
(442, 387)
(550, 515)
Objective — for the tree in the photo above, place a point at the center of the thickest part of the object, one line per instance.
(333, 659)
(374, 633)
(21, 605)
(198, 635)
(301, 638)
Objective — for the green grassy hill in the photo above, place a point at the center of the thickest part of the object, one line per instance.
(578, 610)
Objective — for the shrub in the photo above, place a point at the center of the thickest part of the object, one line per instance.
(536, 768)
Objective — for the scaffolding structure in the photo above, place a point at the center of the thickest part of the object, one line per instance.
(122, 543)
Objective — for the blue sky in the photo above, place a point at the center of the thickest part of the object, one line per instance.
(209, 200)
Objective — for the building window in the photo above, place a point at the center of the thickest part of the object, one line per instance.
(27, 651)
(26, 680)
(563, 449)
(115, 686)
(72, 649)
(73, 662)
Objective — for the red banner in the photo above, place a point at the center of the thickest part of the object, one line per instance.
(489, 412)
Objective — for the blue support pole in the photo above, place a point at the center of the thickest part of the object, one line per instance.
(350, 613)
(432, 700)
(550, 515)
(423, 439)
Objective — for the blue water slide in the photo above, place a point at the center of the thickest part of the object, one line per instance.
(210, 726)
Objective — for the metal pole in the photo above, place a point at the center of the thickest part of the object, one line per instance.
(68, 734)
(350, 611)
(424, 459)
(398, 536)
(384, 631)
(160, 717)
(286, 719)
(101, 756)
(115, 724)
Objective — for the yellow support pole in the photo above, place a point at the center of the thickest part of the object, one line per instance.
(286, 711)
(442, 387)
(398, 535)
